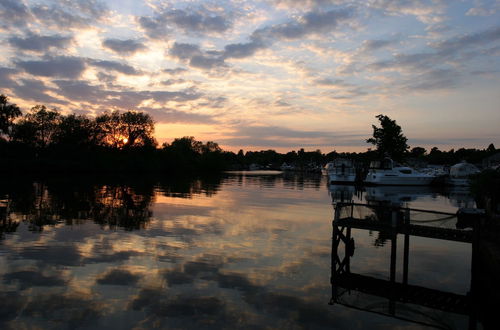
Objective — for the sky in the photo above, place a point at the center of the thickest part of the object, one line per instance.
(269, 74)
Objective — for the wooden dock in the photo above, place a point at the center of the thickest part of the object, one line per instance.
(394, 221)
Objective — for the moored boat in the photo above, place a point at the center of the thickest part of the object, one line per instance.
(460, 173)
(342, 170)
(388, 172)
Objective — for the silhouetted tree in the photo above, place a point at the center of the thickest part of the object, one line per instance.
(418, 152)
(138, 128)
(8, 113)
(129, 129)
(388, 138)
(77, 132)
(38, 126)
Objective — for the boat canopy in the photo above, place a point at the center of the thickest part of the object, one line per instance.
(385, 164)
(463, 170)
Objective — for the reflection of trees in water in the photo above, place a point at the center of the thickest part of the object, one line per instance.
(187, 187)
(121, 206)
(124, 203)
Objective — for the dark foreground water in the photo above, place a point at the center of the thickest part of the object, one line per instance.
(237, 251)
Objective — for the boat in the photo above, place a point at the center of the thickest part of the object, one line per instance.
(460, 173)
(389, 172)
(341, 170)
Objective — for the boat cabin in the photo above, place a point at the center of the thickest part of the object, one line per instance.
(385, 164)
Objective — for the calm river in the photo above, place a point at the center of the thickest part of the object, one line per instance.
(244, 250)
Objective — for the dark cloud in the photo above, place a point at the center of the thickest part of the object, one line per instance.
(175, 116)
(195, 57)
(118, 277)
(433, 80)
(331, 82)
(200, 21)
(178, 96)
(6, 80)
(116, 66)
(35, 90)
(206, 62)
(242, 50)
(450, 50)
(13, 13)
(172, 82)
(311, 23)
(411, 61)
(70, 14)
(39, 43)
(275, 136)
(184, 51)
(63, 67)
(124, 47)
(79, 90)
(465, 42)
(154, 27)
(372, 45)
(175, 71)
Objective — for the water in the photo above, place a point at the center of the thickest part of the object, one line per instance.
(243, 250)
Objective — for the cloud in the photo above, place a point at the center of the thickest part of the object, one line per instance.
(175, 71)
(376, 44)
(199, 21)
(174, 116)
(154, 27)
(13, 13)
(35, 90)
(195, 57)
(433, 80)
(331, 82)
(62, 66)
(242, 50)
(276, 136)
(184, 51)
(185, 95)
(115, 66)
(170, 82)
(124, 47)
(310, 23)
(81, 91)
(427, 11)
(70, 14)
(206, 62)
(461, 43)
(39, 43)
(6, 80)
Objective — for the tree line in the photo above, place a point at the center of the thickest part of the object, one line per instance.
(47, 140)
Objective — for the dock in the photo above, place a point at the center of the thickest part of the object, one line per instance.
(399, 299)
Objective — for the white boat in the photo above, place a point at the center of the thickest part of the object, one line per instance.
(388, 172)
(341, 170)
(460, 173)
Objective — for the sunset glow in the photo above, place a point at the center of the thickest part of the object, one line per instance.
(269, 74)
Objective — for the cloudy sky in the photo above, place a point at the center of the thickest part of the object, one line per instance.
(280, 74)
